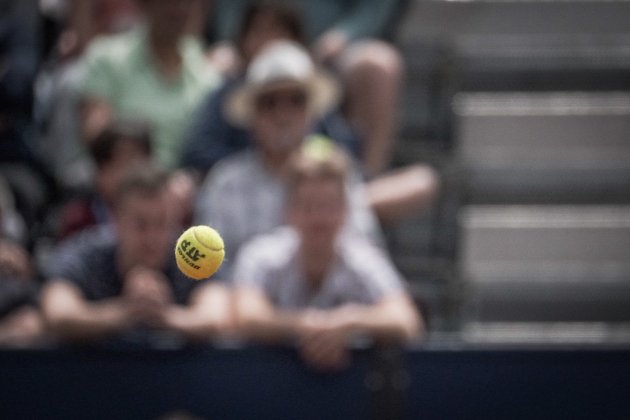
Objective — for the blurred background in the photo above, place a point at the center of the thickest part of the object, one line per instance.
(523, 105)
(523, 109)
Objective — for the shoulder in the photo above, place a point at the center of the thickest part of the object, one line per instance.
(364, 256)
(92, 241)
(90, 249)
(234, 169)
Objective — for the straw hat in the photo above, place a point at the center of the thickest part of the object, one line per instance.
(282, 63)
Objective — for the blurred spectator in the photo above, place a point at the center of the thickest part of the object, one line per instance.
(283, 93)
(18, 64)
(19, 59)
(212, 136)
(73, 24)
(243, 195)
(12, 224)
(312, 282)
(58, 86)
(126, 283)
(57, 121)
(121, 146)
(157, 72)
(348, 37)
(20, 321)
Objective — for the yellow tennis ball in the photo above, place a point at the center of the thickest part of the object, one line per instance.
(199, 252)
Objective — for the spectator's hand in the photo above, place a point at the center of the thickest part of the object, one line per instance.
(14, 260)
(329, 46)
(21, 328)
(323, 341)
(147, 295)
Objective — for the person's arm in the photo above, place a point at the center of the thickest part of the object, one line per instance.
(394, 319)
(209, 313)
(70, 316)
(258, 319)
(403, 192)
(367, 19)
(320, 347)
(324, 336)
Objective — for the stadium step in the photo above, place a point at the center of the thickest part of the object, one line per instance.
(545, 263)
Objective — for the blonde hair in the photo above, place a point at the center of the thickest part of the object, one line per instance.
(319, 159)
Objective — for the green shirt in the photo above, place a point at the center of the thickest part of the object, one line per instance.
(120, 71)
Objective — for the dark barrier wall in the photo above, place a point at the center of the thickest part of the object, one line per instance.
(214, 384)
(533, 384)
(264, 383)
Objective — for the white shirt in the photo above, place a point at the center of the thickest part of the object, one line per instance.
(361, 273)
(240, 198)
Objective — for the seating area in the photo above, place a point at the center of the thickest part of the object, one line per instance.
(521, 267)
(524, 106)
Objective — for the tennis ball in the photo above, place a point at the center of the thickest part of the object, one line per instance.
(199, 252)
(318, 146)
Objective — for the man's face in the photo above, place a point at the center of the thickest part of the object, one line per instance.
(280, 119)
(317, 210)
(145, 226)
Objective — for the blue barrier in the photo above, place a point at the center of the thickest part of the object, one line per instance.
(519, 384)
(272, 383)
(210, 383)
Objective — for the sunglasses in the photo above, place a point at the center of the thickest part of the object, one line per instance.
(272, 100)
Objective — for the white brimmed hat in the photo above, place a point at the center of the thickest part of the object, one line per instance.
(282, 63)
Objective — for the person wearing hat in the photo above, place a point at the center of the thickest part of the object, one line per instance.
(283, 93)
(353, 39)
(243, 195)
(211, 136)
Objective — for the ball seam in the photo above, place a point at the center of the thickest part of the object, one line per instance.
(204, 244)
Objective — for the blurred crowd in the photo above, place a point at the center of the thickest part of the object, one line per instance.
(123, 122)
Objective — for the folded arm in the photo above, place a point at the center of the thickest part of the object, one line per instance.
(70, 316)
